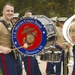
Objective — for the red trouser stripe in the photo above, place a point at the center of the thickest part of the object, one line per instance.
(4, 64)
(29, 69)
(46, 67)
(74, 72)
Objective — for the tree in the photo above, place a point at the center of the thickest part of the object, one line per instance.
(45, 7)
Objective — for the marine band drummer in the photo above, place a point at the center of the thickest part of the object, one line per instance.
(60, 45)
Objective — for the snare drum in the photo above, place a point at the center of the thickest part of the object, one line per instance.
(57, 56)
(51, 55)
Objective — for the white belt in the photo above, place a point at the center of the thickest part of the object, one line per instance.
(0, 51)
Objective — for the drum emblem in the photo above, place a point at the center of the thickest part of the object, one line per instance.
(30, 35)
(30, 38)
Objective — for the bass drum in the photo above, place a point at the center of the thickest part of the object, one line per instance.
(50, 28)
(33, 35)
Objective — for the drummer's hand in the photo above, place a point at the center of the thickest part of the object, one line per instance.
(62, 46)
(5, 50)
(67, 45)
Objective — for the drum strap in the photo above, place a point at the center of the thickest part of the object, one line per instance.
(6, 25)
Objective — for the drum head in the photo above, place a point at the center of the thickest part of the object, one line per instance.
(32, 35)
(29, 35)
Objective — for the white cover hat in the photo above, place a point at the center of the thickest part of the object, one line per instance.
(54, 18)
(62, 19)
(16, 15)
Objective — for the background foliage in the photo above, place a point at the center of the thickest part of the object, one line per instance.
(49, 8)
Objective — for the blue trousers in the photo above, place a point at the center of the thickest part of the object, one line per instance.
(31, 65)
(50, 65)
(73, 72)
(50, 68)
(7, 64)
(18, 65)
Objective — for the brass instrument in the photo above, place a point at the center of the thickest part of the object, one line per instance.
(66, 30)
(69, 32)
(69, 35)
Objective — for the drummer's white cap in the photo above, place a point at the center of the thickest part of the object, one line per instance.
(54, 19)
(16, 15)
(62, 19)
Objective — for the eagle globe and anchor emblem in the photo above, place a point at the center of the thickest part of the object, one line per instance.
(29, 35)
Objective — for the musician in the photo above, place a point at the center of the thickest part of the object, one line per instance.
(62, 45)
(50, 65)
(72, 35)
(18, 57)
(73, 72)
(15, 18)
(7, 62)
(59, 44)
(54, 19)
(30, 62)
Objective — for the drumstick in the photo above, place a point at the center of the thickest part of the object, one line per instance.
(24, 46)
(17, 48)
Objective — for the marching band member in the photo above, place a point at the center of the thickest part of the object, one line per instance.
(72, 35)
(7, 61)
(30, 62)
(18, 57)
(59, 45)
(50, 65)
